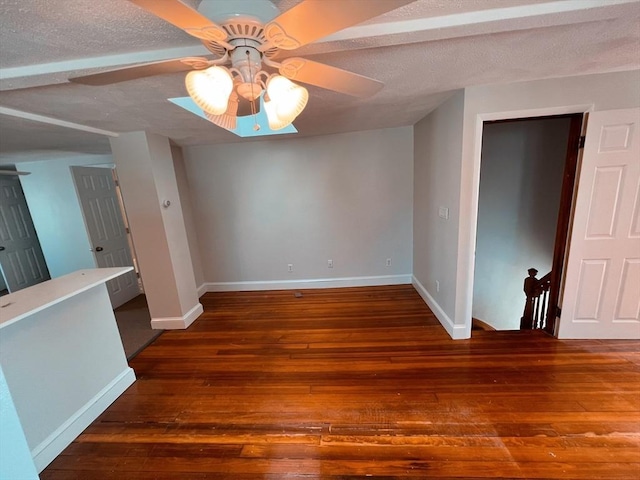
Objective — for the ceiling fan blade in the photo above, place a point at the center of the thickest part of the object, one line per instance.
(314, 19)
(332, 78)
(132, 73)
(183, 16)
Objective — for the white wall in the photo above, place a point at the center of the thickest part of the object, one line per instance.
(148, 180)
(520, 185)
(260, 206)
(438, 150)
(15, 456)
(187, 213)
(517, 100)
(63, 360)
(57, 216)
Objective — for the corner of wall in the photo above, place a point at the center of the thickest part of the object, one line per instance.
(177, 323)
(456, 332)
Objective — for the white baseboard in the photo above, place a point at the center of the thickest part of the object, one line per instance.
(309, 283)
(177, 323)
(202, 289)
(61, 438)
(456, 332)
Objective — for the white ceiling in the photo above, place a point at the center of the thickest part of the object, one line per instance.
(421, 51)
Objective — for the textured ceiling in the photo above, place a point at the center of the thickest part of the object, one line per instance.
(422, 52)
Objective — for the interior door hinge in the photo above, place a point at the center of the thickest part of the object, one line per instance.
(581, 141)
(558, 312)
(126, 229)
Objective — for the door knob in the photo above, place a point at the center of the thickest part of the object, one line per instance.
(99, 249)
(1, 248)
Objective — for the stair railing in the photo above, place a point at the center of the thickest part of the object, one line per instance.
(536, 305)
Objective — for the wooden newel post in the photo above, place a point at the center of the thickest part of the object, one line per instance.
(530, 290)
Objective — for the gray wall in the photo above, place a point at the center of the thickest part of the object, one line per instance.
(438, 151)
(187, 213)
(520, 184)
(259, 206)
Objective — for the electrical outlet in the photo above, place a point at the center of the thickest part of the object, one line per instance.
(437, 286)
(290, 267)
(388, 262)
(330, 263)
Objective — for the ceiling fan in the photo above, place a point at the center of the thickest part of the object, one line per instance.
(244, 44)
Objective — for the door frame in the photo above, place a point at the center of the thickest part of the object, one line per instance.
(474, 195)
(564, 207)
(565, 219)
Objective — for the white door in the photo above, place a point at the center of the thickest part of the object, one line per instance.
(21, 257)
(107, 232)
(602, 284)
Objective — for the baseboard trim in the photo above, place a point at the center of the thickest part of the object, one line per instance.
(177, 323)
(61, 438)
(456, 332)
(202, 289)
(309, 283)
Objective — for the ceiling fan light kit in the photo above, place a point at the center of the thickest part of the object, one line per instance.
(210, 89)
(244, 41)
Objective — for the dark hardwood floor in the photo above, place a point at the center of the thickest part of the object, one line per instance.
(360, 383)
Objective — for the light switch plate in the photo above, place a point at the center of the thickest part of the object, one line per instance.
(443, 212)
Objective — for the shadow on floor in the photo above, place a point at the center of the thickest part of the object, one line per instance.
(134, 324)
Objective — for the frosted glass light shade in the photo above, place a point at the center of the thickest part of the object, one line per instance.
(228, 120)
(210, 89)
(275, 122)
(286, 101)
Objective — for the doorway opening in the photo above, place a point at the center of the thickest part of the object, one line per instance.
(22, 263)
(527, 176)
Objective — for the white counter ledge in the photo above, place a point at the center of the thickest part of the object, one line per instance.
(23, 303)
(63, 363)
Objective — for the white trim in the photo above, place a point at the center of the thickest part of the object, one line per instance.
(61, 438)
(34, 117)
(202, 289)
(177, 323)
(309, 283)
(533, 112)
(494, 20)
(456, 332)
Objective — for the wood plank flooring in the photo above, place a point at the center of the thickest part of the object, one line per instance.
(361, 383)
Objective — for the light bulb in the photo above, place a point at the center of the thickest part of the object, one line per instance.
(286, 101)
(210, 88)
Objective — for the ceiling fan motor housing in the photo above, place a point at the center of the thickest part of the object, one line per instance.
(247, 60)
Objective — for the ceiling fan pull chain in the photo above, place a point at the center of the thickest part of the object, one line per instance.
(256, 125)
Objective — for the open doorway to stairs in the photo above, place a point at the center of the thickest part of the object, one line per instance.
(527, 177)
